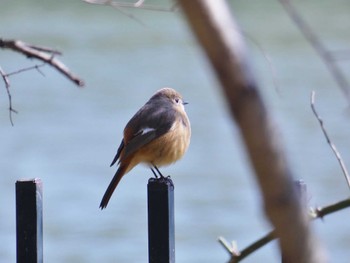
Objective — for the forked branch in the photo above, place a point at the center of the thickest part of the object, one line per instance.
(44, 54)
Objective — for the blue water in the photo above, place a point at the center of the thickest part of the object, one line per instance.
(67, 136)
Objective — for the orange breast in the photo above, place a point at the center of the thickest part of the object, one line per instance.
(166, 149)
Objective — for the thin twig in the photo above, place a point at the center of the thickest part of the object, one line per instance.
(321, 212)
(42, 53)
(331, 144)
(232, 248)
(138, 4)
(37, 67)
(45, 49)
(226, 245)
(253, 247)
(267, 59)
(119, 7)
(7, 86)
(322, 51)
(122, 11)
(5, 76)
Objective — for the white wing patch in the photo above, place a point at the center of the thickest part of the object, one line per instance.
(147, 130)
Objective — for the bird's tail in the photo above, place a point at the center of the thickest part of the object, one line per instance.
(113, 184)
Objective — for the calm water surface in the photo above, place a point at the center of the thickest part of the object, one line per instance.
(68, 136)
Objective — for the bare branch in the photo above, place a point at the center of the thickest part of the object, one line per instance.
(321, 212)
(5, 76)
(138, 4)
(231, 249)
(252, 247)
(315, 213)
(325, 55)
(331, 144)
(267, 59)
(118, 7)
(45, 49)
(7, 86)
(37, 67)
(44, 54)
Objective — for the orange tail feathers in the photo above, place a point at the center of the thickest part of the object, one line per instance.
(113, 184)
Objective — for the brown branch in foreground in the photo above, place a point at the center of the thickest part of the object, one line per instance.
(322, 51)
(315, 213)
(44, 54)
(219, 35)
(331, 144)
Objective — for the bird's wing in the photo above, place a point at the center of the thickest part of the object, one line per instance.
(116, 157)
(141, 138)
(149, 123)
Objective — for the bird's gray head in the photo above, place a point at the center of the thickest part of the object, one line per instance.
(169, 95)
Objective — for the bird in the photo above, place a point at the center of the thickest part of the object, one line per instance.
(158, 134)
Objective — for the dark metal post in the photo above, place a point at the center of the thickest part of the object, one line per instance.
(29, 222)
(161, 229)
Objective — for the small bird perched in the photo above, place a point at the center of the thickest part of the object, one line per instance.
(158, 134)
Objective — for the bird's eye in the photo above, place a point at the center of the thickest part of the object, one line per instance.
(177, 100)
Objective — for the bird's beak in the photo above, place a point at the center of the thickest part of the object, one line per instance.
(184, 103)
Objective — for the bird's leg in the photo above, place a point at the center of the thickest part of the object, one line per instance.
(155, 174)
(160, 174)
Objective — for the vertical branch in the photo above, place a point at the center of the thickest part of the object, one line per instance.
(7, 86)
(331, 144)
(221, 40)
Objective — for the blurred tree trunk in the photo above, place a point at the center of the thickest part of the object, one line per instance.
(218, 34)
